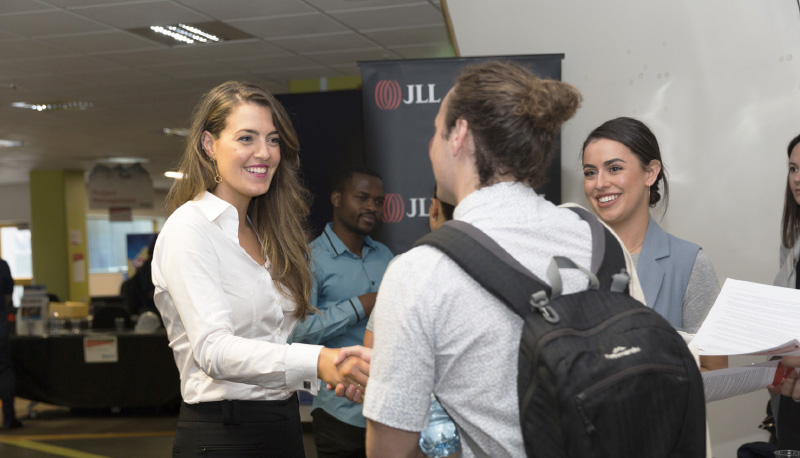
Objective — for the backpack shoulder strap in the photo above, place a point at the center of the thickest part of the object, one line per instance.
(488, 263)
(608, 256)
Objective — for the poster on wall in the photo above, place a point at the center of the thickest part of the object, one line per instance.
(138, 250)
(401, 99)
(121, 186)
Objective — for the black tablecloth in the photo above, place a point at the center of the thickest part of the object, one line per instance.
(52, 369)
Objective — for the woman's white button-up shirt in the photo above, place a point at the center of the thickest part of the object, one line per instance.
(226, 322)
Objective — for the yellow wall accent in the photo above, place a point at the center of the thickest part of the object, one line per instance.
(58, 233)
(339, 83)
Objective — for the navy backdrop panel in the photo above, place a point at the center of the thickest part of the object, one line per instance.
(330, 128)
(400, 100)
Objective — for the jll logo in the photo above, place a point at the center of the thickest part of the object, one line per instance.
(388, 94)
(394, 208)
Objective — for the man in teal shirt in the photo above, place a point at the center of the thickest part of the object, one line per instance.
(348, 266)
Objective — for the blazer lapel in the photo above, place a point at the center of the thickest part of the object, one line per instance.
(651, 274)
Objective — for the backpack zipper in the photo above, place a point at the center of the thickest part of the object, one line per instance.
(570, 331)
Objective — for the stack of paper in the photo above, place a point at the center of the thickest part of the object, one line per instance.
(749, 319)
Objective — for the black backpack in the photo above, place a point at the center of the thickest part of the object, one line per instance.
(600, 375)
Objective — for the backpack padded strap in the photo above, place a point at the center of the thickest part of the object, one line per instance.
(598, 236)
(488, 263)
(608, 255)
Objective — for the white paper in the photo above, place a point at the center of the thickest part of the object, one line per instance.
(78, 270)
(75, 237)
(726, 383)
(751, 318)
(100, 349)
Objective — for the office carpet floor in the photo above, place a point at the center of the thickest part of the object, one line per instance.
(51, 431)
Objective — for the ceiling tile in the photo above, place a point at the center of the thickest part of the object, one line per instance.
(425, 51)
(333, 42)
(9, 36)
(151, 57)
(286, 74)
(139, 86)
(240, 9)
(128, 16)
(82, 3)
(193, 69)
(19, 6)
(229, 50)
(76, 64)
(102, 42)
(349, 57)
(20, 49)
(7, 70)
(338, 5)
(416, 35)
(41, 88)
(391, 17)
(121, 78)
(47, 23)
(295, 25)
(263, 64)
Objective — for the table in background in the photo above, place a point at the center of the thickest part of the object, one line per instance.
(51, 369)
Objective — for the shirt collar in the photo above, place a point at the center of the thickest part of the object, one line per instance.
(338, 247)
(220, 212)
(505, 195)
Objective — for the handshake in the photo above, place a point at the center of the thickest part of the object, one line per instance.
(346, 370)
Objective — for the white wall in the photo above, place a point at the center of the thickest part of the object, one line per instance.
(15, 203)
(718, 81)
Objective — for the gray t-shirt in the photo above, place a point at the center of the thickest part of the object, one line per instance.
(701, 291)
(437, 330)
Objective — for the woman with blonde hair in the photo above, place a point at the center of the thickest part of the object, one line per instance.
(232, 279)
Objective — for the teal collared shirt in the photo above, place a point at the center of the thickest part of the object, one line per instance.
(339, 278)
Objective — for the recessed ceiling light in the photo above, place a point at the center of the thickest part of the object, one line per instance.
(54, 105)
(10, 143)
(126, 160)
(175, 175)
(197, 33)
(184, 33)
(179, 131)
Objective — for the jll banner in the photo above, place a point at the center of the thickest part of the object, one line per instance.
(401, 99)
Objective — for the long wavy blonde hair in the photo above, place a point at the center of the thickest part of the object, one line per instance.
(279, 216)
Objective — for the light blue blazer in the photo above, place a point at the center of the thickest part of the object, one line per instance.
(665, 264)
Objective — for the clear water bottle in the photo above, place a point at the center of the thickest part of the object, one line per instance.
(441, 437)
(54, 324)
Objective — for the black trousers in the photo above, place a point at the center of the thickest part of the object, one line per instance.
(239, 429)
(7, 381)
(337, 439)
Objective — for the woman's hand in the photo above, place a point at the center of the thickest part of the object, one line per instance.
(789, 387)
(347, 369)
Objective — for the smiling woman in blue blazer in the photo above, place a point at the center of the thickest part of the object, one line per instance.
(622, 170)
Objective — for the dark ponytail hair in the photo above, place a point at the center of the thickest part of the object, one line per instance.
(638, 138)
(790, 223)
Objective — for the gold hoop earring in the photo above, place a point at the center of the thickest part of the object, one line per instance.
(217, 177)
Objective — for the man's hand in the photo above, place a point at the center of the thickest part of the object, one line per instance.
(791, 361)
(368, 302)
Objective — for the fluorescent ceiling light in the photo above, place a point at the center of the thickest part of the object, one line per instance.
(54, 105)
(184, 33)
(175, 175)
(10, 143)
